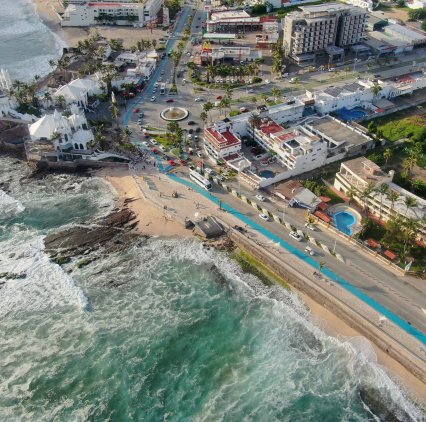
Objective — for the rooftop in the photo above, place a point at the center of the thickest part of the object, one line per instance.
(225, 139)
(367, 170)
(337, 131)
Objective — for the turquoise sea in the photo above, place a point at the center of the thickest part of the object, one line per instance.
(166, 331)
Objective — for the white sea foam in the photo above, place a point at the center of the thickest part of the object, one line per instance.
(45, 285)
(9, 206)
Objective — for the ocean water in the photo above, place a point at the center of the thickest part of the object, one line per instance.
(166, 331)
(26, 44)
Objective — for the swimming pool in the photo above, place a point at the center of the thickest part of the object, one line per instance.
(352, 114)
(267, 174)
(344, 220)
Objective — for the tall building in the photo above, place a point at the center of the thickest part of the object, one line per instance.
(322, 29)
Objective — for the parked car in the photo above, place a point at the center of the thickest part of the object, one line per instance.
(136, 110)
(191, 123)
(172, 163)
(259, 157)
(170, 100)
(208, 170)
(240, 229)
(296, 236)
(141, 114)
(309, 250)
(145, 143)
(163, 148)
(156, 85)
(200, 154)
(153, 98)
(244, 109)
(261, 198)
(219, 97)
(264, 217)
(198, 100)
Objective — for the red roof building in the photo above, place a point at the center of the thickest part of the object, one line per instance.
(221, 144)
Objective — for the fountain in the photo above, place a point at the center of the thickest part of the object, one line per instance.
(174, 114)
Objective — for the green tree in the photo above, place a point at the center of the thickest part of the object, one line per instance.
(383, 190)
(392, 197)
(366, 193)
(276, 93)
(409, 202)
(376, 89)
(115, 112)
(254, 121)
(387, 154)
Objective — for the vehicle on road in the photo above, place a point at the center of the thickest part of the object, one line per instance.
(296, 236)
(170, 100)
(250, 91)
(141, 114)
(259, 157)
(163, 72)
(261, 198)
(163, 88)
(244, 109)
(172, 163)
(310, 226)
(136, 110)
(240, 229)
(199, 154)
(156, 85)
(200, 180)
(208, 170)
(309, 250)
(154, 90)
(219, 97)
(264, 217)
(153, 141)
(191, 123)
(153, 98)
(163, 148)
(198, 100)
(145, 143)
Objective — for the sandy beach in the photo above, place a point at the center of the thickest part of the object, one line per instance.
(152, 222)
(47, 12)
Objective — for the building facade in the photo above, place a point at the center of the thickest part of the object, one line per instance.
(360, 173)
(314, 29)
(117, 13)
(220, 141)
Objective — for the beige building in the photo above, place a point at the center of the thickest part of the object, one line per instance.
(322, 29)
(360, 172)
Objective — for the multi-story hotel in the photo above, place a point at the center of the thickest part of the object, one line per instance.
(360, 172)
(220, 141)
(327, 28)
(118, 13)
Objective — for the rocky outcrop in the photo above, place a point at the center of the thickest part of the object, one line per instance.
(111, 233)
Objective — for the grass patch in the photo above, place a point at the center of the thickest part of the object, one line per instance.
(162, 139)
(234, 113)
(249, 264)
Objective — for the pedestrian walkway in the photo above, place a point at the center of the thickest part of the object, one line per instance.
(309, 260)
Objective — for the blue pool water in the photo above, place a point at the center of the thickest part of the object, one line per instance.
(344, 220)
(352, 114)
(267, 174)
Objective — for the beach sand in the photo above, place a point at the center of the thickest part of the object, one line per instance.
(46, 10)
(152, 222)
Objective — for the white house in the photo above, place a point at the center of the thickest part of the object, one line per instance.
(66, 133)
(220, 141)
(78, 91)
(416, 4)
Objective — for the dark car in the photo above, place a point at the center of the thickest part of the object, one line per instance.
(240, 229)
(191, 123)
(191, 131)
(170, 100)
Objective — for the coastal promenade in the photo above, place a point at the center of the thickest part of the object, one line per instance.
(157, 189)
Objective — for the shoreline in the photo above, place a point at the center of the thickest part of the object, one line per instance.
(125, 185)
(71, 35)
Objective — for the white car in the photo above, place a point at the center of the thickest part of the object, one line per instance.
(198, 100)
(200, 154)
(310, 227)
(309, 250)
(295, 236)
(250, 91)
(162, 72)
(163, 148)
(154, 90)
(145, 143)
(264, 217)
(208, 170)
(156, 85)
(261, 198)
(153, 141)
(153, 98)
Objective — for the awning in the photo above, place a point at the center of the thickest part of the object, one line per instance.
(372, 243)
(389, 254)
(322, 216)
(323, 206)
(325, 199)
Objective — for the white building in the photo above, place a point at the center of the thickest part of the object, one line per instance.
(363, 4)
(221, 142)
(117, 13)
(78, 92)
(360, 172)
(65, 133)
(416, 4)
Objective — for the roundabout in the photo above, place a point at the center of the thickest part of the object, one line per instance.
(174, 114)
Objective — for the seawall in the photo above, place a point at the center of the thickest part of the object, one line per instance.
(351, 310)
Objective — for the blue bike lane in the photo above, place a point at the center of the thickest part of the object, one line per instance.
(309, 260)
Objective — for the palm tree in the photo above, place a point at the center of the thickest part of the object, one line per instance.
(393, 197)
(322, 265)
(409, 202)
(264, 98)
(351, 193)
(365, 194)
(203, 117)
(207, 107)
(224, 104)
(387, 154)
(115, 112)
(376, 88)
(254, 121)
(383, 189)
(47, 97)
(154, 44)
(410, 228)
(254, 99)
(61, 101)
(276, 93)
(408, 165)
